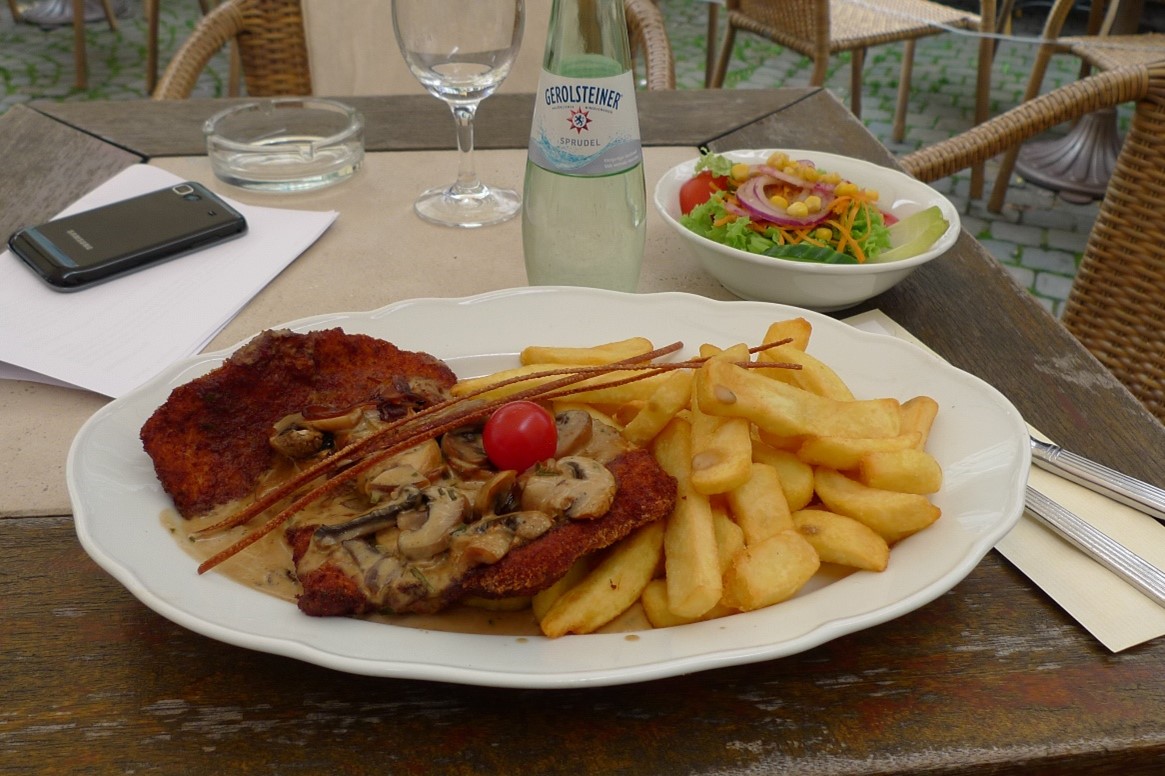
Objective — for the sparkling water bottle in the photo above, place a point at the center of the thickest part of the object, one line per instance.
(584, 207)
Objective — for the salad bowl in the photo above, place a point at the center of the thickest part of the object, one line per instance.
(821, 287)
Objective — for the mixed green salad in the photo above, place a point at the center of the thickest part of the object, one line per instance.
(790, 209)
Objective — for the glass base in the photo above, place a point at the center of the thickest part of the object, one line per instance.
(484, 207)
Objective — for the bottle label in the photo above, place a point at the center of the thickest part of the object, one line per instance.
(585, 126)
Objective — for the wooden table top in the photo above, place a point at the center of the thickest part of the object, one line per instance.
(991, 677)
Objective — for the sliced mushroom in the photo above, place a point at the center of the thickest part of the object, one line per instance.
(465, 452)
(304, 434)
(574, 430)
(580, 488)
(298, 442)
(408, 498)
(418, 466)
(488, 540)
(498, 495)
(447, 509)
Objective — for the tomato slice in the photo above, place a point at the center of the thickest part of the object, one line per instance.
(699, 190)
(519, 434)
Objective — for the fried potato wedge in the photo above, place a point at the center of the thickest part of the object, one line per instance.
(796, 330)
(613, 586)
(845, 453)
(607, 353)
(759, 505)
(813, 376)
(907, 471)
(691, 555)
(660, 614)
(777, 408)
(672, 395)
(796, 476)
(893, 515)
(769, 572)
(842, 540)
(918, 414)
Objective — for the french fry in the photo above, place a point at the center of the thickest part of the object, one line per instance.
(813, 376)
(797, 330)
(729, 536)
(789, 444)
(796, 475)
(470, 385)
(777, 408)
(660, 615)
(769, 572)
(918, 414)
(842, 540)
(907, 471)
(893, 515)
(844, 453)
(759, 505)
(544, 599)
(672, 395)
(607, 353)
(721, 449)
(615, 584)
(691, 557)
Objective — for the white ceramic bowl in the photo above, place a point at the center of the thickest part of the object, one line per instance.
(821, 287)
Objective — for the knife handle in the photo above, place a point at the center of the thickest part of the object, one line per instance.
(1127, 490)
(1110, 553)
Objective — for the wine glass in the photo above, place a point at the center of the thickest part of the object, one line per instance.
(461, 51)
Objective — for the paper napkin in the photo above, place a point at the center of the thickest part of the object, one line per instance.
(113, 337)
(1113, 611)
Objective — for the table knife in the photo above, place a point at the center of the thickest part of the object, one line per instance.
(1102, 548)
(1127, 490)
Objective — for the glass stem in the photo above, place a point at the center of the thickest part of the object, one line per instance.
(467, 182)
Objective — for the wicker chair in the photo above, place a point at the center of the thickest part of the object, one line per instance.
(1102, 51)
(273, 49)
(821, 28)
(1115, 306)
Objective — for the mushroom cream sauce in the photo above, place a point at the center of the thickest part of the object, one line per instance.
(267, 564)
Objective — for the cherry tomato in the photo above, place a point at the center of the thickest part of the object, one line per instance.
(519, 434)
(699, 189)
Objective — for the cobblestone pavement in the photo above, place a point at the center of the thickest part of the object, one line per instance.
(1038, 237)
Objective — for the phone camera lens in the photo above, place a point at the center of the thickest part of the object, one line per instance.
(192, 198)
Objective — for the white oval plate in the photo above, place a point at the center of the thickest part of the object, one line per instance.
(979, 438)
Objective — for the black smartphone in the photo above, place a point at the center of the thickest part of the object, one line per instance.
(77, 251)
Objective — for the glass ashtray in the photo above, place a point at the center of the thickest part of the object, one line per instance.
(285, 144)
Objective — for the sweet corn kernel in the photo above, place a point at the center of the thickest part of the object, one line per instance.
(810, 174)
(846, 189)
(813, 202)
(831, 177)
(778, 159)
(739, 172)
(779, 201)
(823, 233)
(798, 210)
(872, 195)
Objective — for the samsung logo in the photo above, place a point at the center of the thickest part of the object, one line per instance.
(79, 239)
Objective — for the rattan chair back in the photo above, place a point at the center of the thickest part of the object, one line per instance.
(273, 49)
(1115, 307)
(271, 45)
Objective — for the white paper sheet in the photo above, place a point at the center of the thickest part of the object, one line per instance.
(113, 337)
